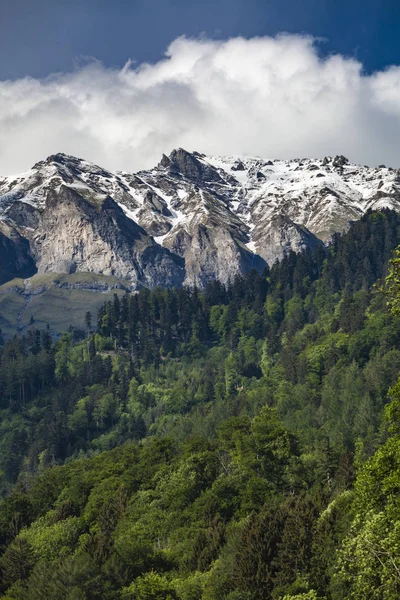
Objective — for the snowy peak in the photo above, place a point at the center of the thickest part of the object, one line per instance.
(221, 214)
(322, 195)
(190, 166)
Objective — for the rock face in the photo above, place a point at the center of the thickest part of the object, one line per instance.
(190, 219)
(77, 236)
(68, 228)
(15, 258)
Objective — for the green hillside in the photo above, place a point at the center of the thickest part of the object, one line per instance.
(55, 300)
(239, 443)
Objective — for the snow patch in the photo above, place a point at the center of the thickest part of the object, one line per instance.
(252, 247)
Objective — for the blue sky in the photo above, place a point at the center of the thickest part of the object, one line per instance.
(216, 76)
(46, 36)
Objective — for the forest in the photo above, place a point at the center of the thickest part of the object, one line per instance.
(240, 442)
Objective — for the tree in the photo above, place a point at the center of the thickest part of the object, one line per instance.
(391, 286)
(150, 586)
(88, 321)
(17, 561)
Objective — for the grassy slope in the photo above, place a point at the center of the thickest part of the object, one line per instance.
(50, 299)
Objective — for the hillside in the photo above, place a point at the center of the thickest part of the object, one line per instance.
(238, 442)
(55, 301)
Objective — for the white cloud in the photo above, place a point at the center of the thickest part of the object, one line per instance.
(274, 97)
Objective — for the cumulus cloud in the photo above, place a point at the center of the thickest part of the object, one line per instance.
(276, 97)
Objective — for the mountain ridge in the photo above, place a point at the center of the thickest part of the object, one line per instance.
(190, 219)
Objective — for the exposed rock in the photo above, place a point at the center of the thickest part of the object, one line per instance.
(280, 235)
(23, 215)
(186, 164)
(68, 215)
(340, 161)
(74, 235)
(15, 258)
(238, 166)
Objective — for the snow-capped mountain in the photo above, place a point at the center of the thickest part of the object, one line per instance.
(189, 219)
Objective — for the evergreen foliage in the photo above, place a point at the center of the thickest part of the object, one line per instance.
(237, 443)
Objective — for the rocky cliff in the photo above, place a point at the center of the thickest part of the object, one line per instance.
(190, 219)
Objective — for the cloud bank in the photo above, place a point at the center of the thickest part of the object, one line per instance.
(270, 96)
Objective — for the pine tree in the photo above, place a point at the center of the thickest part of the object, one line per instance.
(88, 322)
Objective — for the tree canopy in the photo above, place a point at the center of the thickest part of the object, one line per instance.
(239, 442)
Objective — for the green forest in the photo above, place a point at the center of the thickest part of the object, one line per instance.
(240, 442)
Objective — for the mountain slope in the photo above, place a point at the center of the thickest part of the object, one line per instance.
(72, 226)
(204, 445)
(57, 301)
(190, 219)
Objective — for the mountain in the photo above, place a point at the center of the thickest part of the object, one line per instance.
(190, 219)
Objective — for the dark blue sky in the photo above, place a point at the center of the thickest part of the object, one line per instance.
(44, 36)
